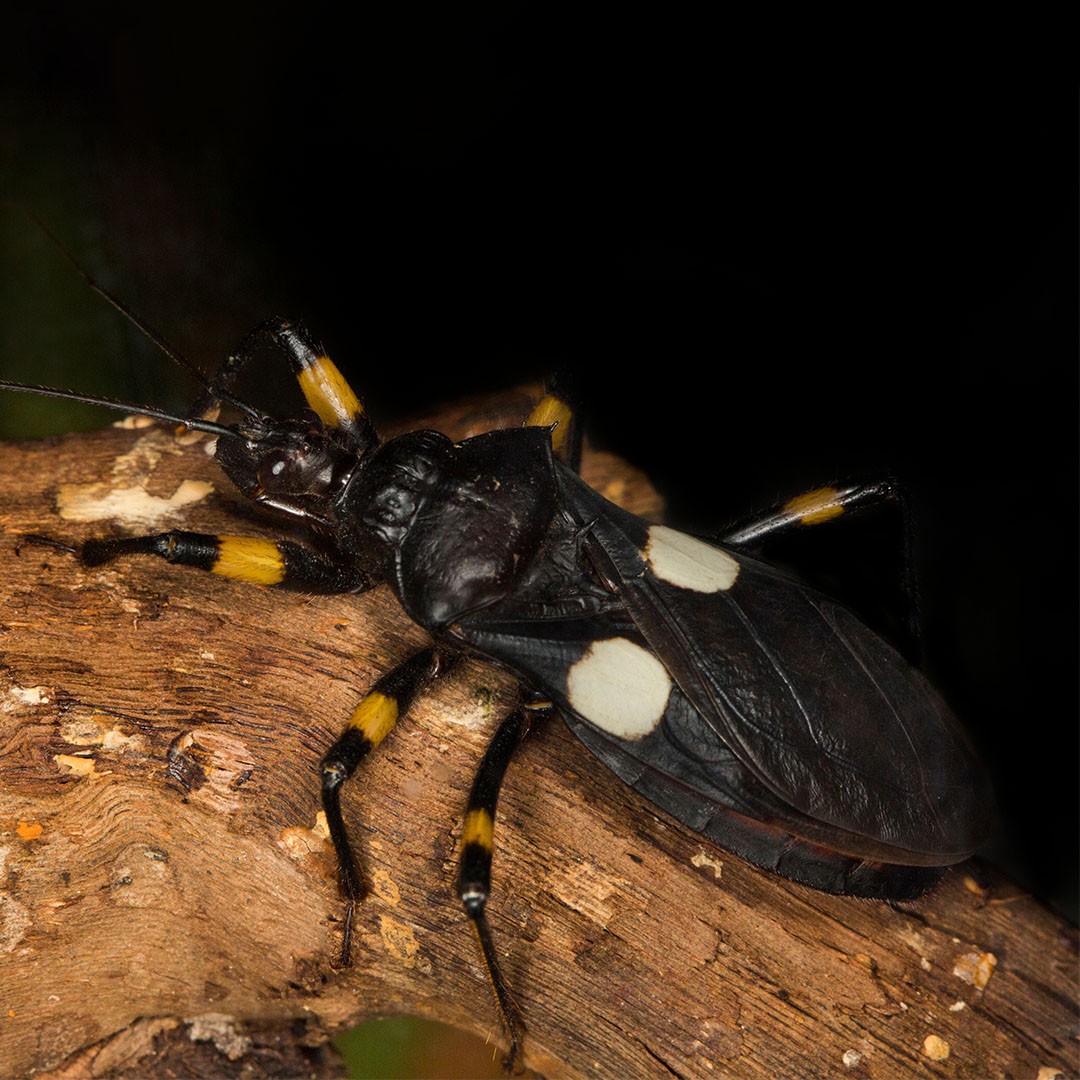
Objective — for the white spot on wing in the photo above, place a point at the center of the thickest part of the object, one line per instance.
(688, 563)
(620, 687)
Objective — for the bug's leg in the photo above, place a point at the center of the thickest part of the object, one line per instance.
(816, 507)
(840, 502)
(557, 410)
(242, 558)
(477, 847)
(379, 710)
(322, 384)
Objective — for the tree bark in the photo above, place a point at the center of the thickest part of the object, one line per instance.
(168, 890)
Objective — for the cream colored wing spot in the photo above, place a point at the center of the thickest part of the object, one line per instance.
(619, 687)
(689, 563)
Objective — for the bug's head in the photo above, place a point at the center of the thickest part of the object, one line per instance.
(299, 464)
(293, 465)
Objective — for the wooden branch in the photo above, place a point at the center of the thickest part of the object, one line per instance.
(165, 875)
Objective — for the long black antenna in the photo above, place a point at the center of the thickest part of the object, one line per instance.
(140, 324)
(195, 423)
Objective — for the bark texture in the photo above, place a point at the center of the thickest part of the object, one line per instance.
(168, 899)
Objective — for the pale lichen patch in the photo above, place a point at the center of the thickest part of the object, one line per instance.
(385, 888)
(134, 505)
(84, 767)
(97, 729)
(399, 940)
(975, 968)
(935, 1048)
(25, 695)
(134, 422)
(124, 494)
(15, 922)
(299, 842)
(702, 859)
(914, 940)
(220, 1030)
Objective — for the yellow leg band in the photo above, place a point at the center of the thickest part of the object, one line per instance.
(248, 559)
(553, 413)
(479, 829)
(374, 717)
(329, 394)
(815, 506)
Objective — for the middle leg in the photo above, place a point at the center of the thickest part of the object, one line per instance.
(372, 720)
(477, 849)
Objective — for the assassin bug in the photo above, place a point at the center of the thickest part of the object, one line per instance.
(747, 705)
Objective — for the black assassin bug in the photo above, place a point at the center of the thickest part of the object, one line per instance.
(755, 710)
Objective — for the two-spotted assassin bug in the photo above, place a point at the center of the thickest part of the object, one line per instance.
(745, 704)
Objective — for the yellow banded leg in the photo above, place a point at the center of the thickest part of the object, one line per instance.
(371, 721)
(477, 848)
(815, 507)
(242, 558)
(219, 385)
(840, 501)
(328, 393)
(556, 411)
(324, 387)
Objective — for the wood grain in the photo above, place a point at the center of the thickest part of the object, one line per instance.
(165, 884)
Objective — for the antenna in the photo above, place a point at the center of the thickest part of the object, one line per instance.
(195, 423)
(139, 323)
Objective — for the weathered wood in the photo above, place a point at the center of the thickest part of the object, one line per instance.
(163, 866)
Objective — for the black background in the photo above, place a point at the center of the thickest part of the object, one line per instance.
(772, 254)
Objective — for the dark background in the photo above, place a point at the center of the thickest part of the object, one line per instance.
(772, 256)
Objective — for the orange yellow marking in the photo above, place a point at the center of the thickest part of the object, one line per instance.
(79, 766)
(246, 558)
(329, 394)
(479, 829)
(551, 412)
(374, 717)
(816, 506)
(975, 968)
(935, 1048)
(29, 830)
